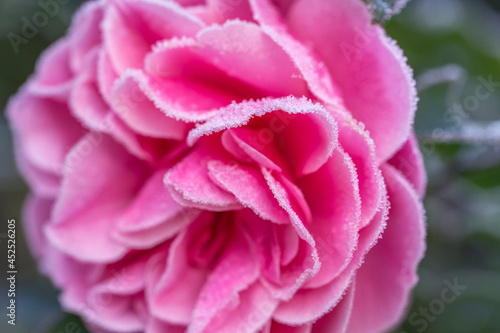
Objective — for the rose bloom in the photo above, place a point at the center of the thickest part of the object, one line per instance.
(224, 166)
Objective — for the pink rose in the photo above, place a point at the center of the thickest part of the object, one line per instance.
(224, 166)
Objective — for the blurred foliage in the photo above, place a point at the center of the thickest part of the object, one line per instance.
(486, 178)
(17, 66)
(36, 298)
(449, 44)
(383, 10)
(68, 324)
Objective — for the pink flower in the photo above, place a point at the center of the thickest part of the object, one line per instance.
(224, 166)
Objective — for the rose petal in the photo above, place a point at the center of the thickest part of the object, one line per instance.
(382, 95)
(253, 69)
(221, 11)
(45, 129)
(116, 296)
(106, 75)
(115, 176)
(159, 326)
(308, 263)
(265, 245)
(243, 142)
(361, 149)
(252, 309)
(337, 319)
(43, 183)
(312, 70)
(250, 189)
(117, 316)
(218, 301)
(382, 294)
(36, 214)
(143, 147)
(280, 328)
(308, 305)
(137, 25)
(180, 100)
(333, 196)
(408, 160)
(173, 296)
(53, 76)
(190, 184)
(85, 33)
(305, 155)
(86, 102)
(153, 216)
(289, 244)
(132, 105)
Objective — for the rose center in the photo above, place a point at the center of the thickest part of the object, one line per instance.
(208, 243)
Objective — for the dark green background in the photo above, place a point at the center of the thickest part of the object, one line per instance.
(456, 39)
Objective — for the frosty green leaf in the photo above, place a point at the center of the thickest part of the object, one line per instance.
(382, 10)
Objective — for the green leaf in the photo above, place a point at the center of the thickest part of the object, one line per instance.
(448, 150)
(68, 323)
(382, 10)
(485, 178)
